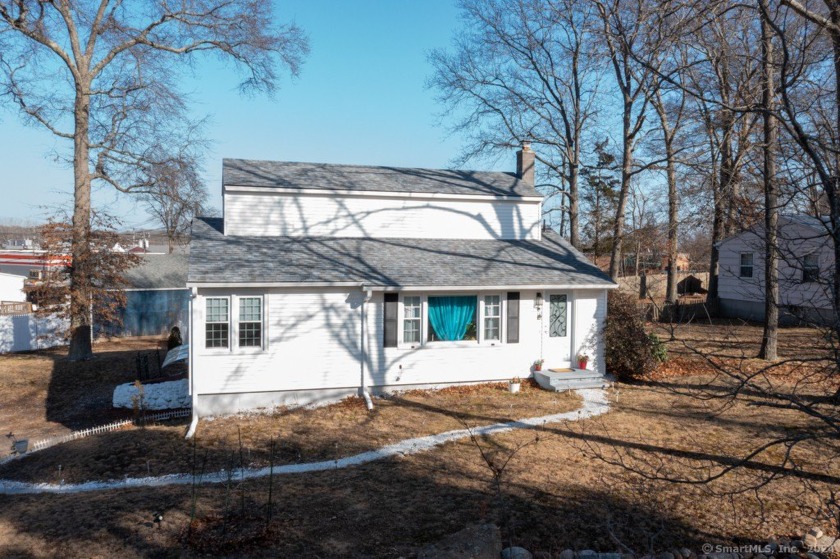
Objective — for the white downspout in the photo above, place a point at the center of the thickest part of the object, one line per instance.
(190, 370)
(364, 392)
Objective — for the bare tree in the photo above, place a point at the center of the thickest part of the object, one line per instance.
(623, 26)
(104, 75)
(525, 70)
(176, 196)
(769, 343)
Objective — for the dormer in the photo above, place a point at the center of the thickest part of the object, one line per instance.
(274, 198)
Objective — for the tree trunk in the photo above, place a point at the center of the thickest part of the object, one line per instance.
(717, 236)
(668, 139)
(80, 319)
(769, 340)
(626, 170)
(833, 188)
(574, 230)
(673, 217)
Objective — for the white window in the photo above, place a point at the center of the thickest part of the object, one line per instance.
(746, 265)
(455, 319)
(250, 322)
(492, 317)
(412, 317)
(810, 268)
(217, 322)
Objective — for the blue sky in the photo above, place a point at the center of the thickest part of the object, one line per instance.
(359, 99)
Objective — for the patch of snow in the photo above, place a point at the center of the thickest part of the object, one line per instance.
(594, 403)
(157, 396)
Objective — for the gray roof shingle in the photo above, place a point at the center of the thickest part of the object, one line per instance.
(386, 262)
(159, 271)
(296, 176)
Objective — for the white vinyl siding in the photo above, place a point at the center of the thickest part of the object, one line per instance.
(334, 215)
(313, 342)
(795, 242)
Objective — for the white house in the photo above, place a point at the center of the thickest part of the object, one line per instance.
(806, 258)
(326, 280)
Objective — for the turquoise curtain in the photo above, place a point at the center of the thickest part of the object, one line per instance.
(450, 316)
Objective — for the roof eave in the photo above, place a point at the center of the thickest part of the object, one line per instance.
(377, 193)
(372, 287)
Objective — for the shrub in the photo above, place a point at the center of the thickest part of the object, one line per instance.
(630, 351)
(657, 348)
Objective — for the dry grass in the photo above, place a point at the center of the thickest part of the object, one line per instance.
(558, 494)
(302, 435)
(562, 491)
(44, 395)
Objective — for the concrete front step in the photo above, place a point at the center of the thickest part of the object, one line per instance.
(579, 384)
(571, 380)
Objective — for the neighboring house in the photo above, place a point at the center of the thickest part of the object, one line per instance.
(805, 262)
(11, 288)
(157, 297)
(683, 262)
(324, 281)
(31, 264)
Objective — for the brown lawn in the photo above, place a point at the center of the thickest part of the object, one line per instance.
(44, 395)
(300, 435)
(561, 489)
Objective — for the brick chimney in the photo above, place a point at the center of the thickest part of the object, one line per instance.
(525, 163)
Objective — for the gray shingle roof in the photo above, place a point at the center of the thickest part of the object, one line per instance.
(282, 174)
(386, 262)
(159, 271)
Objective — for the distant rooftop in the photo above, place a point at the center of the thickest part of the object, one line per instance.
(297, 176)
(159, 271)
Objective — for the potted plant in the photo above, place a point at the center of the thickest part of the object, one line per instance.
(582, 360)
(538, 364)
(514, 385)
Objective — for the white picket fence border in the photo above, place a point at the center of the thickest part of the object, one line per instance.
(75, 435)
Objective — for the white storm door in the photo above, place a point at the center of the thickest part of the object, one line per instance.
(557, 330)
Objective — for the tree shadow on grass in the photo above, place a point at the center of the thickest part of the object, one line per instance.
(80, 393)
(386, 509)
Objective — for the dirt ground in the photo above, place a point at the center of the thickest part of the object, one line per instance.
(565, 485)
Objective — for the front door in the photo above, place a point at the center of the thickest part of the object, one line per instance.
(557, 331)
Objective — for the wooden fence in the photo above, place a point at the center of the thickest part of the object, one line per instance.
(14, 308)
(689, 308)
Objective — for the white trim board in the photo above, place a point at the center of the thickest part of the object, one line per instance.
(364, 286)
(377, 193)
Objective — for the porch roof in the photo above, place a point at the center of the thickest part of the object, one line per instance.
(216, 259)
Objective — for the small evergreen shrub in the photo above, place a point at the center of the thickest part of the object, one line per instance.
(630, 351)
(657, 348)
